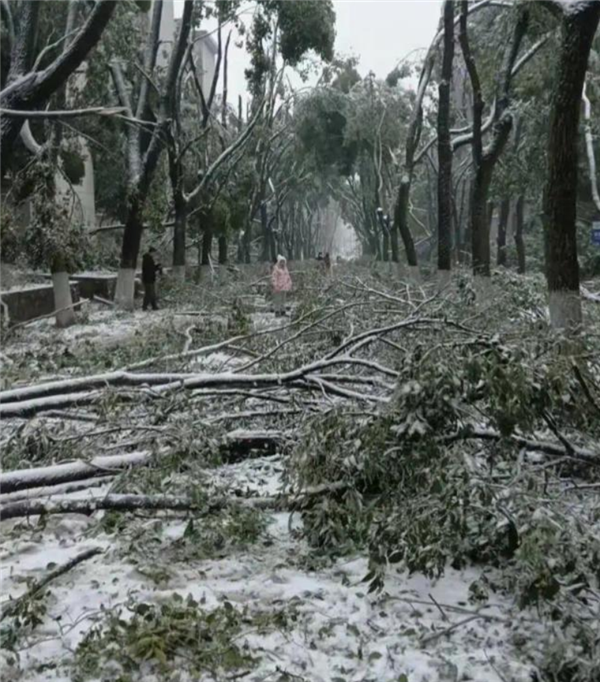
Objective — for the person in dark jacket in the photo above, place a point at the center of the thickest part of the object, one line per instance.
(149, 270)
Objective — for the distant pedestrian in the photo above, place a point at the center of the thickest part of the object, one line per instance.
(327, 263)
(282, 283)
(149, 270)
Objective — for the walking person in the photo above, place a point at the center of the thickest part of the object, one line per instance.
(282, 283)
(149, 270)
(327, 263)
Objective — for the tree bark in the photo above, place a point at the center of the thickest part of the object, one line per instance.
(385, 246)
(560, 193)
(132, 236)
(519, 242)
(179, 239)
(393, 229)
(401, 221)
(502, 226)
(222, 250)
(445, 145)
(207, 240)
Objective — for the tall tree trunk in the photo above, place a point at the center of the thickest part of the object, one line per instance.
(180, 206)
(519, 243)
(484, 160)
(401, 221)
(142, 167)
(480, 224)
(179, 238)
(445, 145)
(265, 255)
(245, 242)
(393, 229)
(385, 246)
(132, 236)
(502, 226)
(207, 240)
(560, 194)
(222, 250)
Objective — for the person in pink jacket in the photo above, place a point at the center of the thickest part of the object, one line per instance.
(282, 283)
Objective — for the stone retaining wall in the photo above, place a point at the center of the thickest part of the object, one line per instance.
(31, 301)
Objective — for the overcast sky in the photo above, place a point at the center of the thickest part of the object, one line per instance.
(379, 32)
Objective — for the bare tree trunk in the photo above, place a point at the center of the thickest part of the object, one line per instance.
(132, 236)
(179, 239)
(385, 246)
(401, 221)
(207, 239)
(560, 194)
(180, 206)
(502, 226)
(222, 250)
(480, 224)
(266, 241)
(519, 243)
(445, 145)
(394, 241)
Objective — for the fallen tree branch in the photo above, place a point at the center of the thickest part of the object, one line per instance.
(234, 445)
(89, 506)
(31, 400)
(12, 481)
(553, 449)
(60, 489)
(12, 605)
(99, 299)
(585, 388)
(64, 113)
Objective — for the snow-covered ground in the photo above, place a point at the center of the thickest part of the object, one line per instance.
(416, 630)
(340, 632)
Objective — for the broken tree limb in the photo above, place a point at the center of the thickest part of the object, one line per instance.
(27, 401)
(553, 449)
(89, 506)
(235, 444)
(63, 113)
(60, 489)
(118, 378)
(12, 605)
(12, 481)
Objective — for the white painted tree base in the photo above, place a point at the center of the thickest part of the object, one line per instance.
(178, 272)
(125, 289)
(62, 299)
(565, 309)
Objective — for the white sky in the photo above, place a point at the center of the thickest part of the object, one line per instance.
(379, 32)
